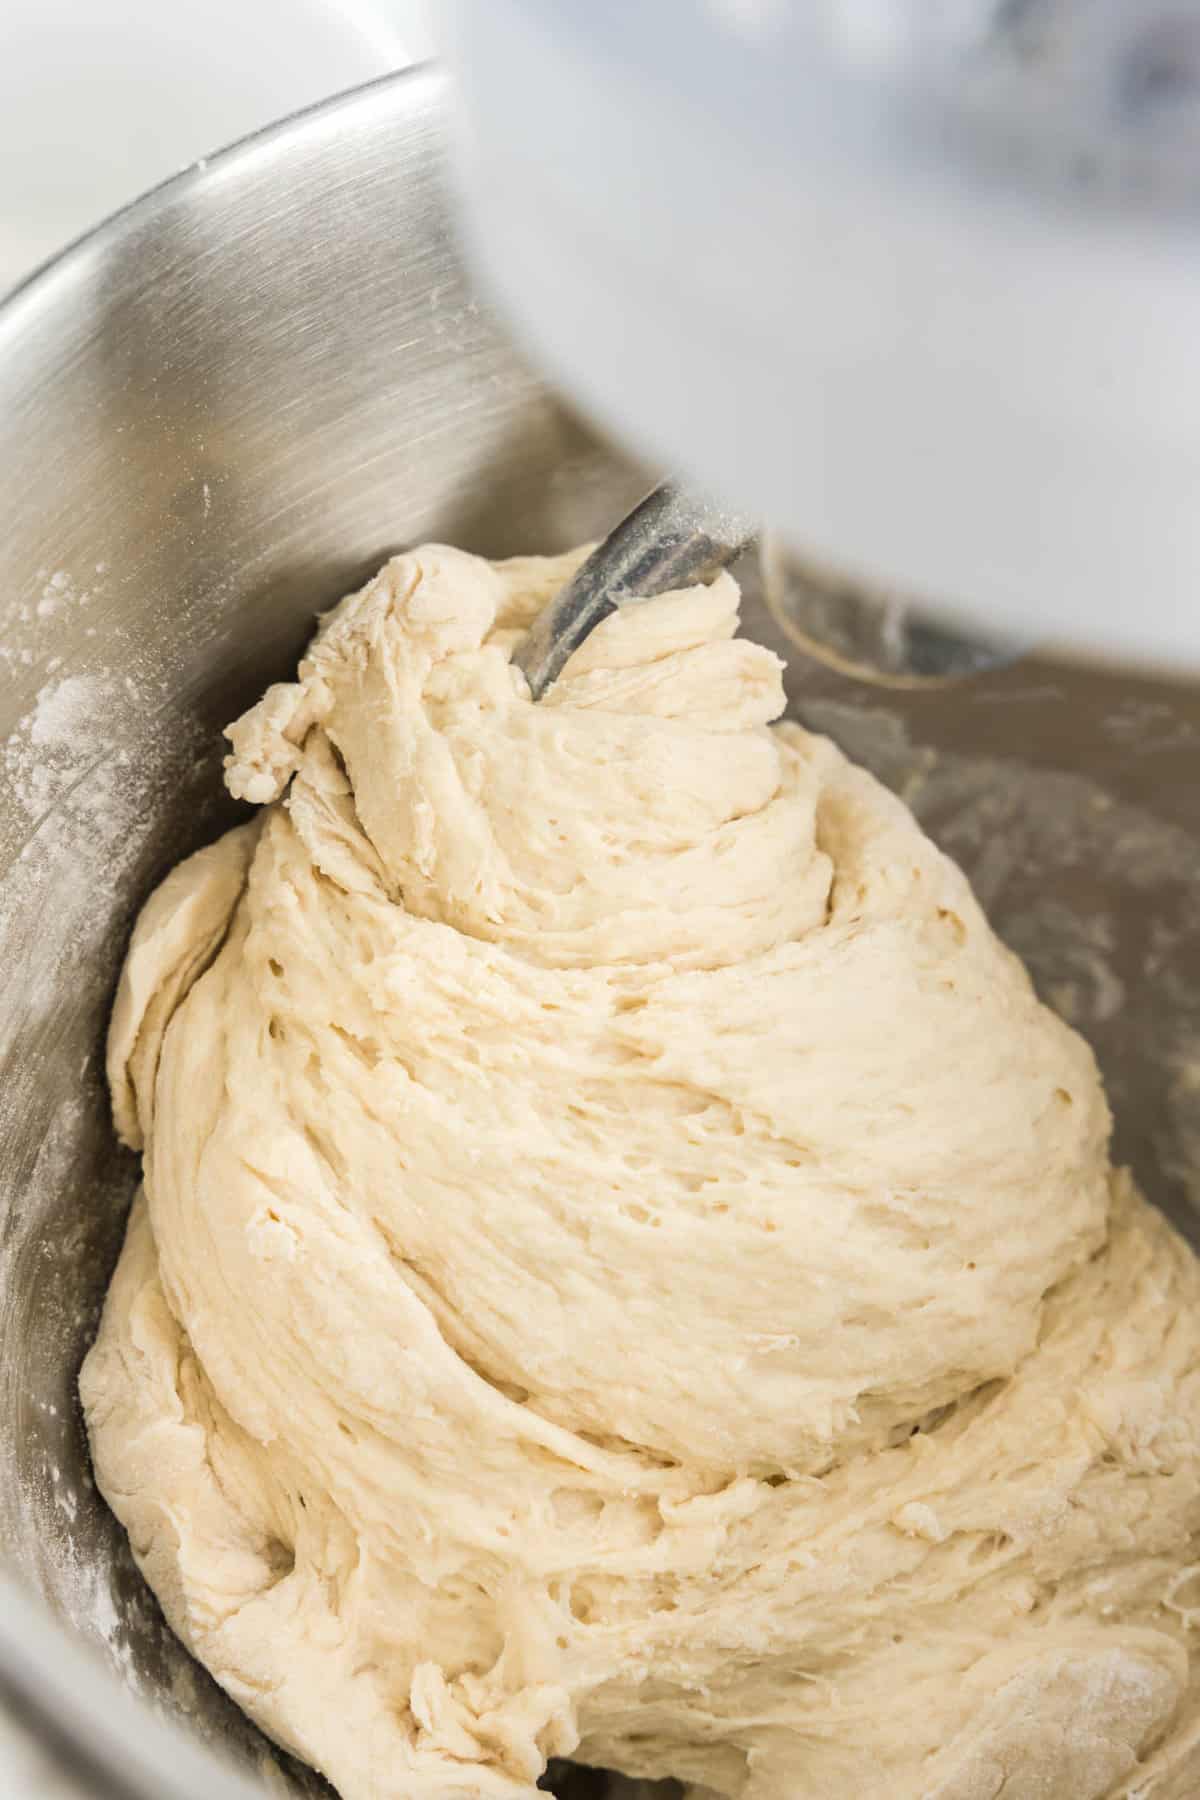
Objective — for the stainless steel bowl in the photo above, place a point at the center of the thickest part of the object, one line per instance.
(216, 415)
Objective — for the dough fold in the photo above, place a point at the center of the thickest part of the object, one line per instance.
(627, 1267)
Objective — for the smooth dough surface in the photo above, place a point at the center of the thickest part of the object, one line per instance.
(627, 1269)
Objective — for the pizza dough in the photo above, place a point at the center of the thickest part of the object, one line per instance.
(627, 1268)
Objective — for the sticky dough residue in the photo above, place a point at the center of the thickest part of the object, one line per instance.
(627, 1267)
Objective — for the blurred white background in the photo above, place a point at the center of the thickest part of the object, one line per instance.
(100, 99)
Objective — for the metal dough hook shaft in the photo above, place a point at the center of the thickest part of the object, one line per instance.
(670, 540)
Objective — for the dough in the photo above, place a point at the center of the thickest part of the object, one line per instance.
(627, 1268)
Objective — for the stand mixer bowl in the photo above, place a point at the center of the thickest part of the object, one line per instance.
(217, 415)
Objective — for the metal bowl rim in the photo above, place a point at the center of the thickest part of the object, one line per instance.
(108, 232)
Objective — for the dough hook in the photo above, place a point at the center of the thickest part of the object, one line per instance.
(673, 539)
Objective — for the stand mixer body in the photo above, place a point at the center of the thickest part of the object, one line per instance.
(915, 280)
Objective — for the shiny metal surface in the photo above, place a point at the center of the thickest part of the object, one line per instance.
(671, 539)
(216, 416)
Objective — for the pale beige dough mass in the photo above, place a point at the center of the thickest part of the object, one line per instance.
(627, 1267)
